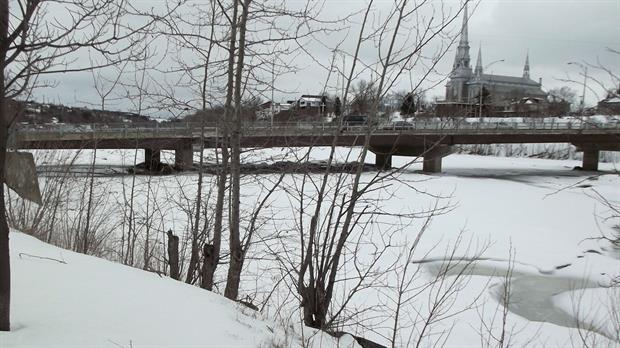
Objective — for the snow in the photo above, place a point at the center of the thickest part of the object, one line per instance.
(64, 299)
(542, 210)
(613, 100)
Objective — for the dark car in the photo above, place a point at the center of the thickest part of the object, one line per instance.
(398, 125)
(354, 120)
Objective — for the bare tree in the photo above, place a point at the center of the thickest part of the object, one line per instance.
(364, 98)
(243, 17)
(36, 42)
(561, 100)
(336, 214)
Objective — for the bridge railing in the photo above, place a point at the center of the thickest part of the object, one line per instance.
(189, 130)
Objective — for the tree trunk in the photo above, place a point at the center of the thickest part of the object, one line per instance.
(208, 266)
(195, 255)
(236, 250)
(173, 255)
(212, 258)
(210, 254)
(193, 260)
(86, 241)
(314, 306)
(5, 260)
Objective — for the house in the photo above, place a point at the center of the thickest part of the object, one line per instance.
(312, 101)
(611, 104)
(528, 106)
(307, 108)
(268, 109)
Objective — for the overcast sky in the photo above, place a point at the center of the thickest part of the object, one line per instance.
(554, 32)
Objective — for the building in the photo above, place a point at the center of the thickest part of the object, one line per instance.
(312, 101)
(611, 104)
(467, 87)
(268, 109)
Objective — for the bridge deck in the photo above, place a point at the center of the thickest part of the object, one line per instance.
(320, 134)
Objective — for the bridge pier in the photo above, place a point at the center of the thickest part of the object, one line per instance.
(184, 157)
(432, 158)
(383, 161)
(152, 158)
(590, 158)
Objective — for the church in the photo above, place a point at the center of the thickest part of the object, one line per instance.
(501, 92)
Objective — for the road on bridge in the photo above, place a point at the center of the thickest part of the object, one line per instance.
(431, 139)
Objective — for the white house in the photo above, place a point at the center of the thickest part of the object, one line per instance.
(269, 109)
(308, 100)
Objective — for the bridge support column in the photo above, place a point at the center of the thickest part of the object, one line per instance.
(432, 158)
(152, 158)
(432, 164)
(184, 157)
(590, 158)
(383, 161)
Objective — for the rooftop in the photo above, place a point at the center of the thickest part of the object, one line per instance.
(505, 79)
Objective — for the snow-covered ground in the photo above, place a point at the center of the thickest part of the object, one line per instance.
(532, 217)
(63, 299)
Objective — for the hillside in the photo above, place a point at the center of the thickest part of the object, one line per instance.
(64, 299)
(38, 113)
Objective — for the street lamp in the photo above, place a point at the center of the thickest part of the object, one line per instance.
(482, 86)
(582, 104)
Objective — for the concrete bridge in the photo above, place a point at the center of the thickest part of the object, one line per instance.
(430, 139)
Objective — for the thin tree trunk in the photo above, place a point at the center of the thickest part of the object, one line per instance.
(130, 222)
(236, 250)
(85, 241)
(5, 260)
(226, 123)
(211, 258)
(209, 263)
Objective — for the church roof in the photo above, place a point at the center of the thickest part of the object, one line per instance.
(488, 78)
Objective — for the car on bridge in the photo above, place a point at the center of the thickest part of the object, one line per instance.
(398, 125)
(355, 120)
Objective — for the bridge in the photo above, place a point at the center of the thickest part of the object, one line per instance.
(431, 140)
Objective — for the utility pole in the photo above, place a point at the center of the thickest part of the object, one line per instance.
(273, 86)
(480, 101)
(583, 94)
(582, 103)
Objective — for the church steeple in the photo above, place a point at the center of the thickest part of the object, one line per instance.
(478, 70)
(526, 68)
(461, 62)
(464, 35)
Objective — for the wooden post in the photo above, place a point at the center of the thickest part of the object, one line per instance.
(173, 255)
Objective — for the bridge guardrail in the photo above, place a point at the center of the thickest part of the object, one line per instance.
(190, 130)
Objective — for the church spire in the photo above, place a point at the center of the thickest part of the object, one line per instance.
(478, 70)
(461, 62)
(464, 35)
(526, 68)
